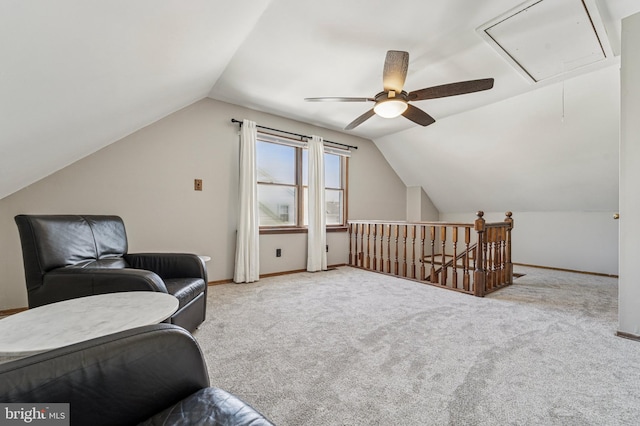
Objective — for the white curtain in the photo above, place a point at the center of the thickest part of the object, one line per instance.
(247, 246)
(317, 236)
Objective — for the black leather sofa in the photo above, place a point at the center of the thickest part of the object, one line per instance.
(69, 256)
(152, 375)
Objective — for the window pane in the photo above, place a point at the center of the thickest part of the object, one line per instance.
(276, 163)
(305, 168)
(334, 209)
(277, 205)
(332, 175)
(305, 206)
(332, 171)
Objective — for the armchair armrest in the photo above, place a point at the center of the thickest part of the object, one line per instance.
(123, 378)
(125, 279)
(169, 265)
(69, 283)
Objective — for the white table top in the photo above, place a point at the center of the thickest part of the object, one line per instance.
(71, 321)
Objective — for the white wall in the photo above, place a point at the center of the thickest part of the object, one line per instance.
(629, 290)
(147, 178)
(414, 204)
(428, 210)
(419, 206)
(375, 190)
(581, 241)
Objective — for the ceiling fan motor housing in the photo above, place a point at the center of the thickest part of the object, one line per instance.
(383, 96)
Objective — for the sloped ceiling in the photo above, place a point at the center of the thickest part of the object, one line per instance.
(552, 149)
(77, 75)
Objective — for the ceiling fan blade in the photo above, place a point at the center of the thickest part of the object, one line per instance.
(418, 116)
(339, 99)
(396, 65)
(358, 121)
(452, 89)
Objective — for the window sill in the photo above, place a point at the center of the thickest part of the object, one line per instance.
(296, 230)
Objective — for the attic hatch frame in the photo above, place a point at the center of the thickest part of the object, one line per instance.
(592, 14)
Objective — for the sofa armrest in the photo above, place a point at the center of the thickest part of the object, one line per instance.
(123, 378)
(169, 265)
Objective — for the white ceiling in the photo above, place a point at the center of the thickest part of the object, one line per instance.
(77, 75)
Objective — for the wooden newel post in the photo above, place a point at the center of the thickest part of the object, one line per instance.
(479, 274)
(507, 261)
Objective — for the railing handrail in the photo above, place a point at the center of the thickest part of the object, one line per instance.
(497, 224)
(428, 223)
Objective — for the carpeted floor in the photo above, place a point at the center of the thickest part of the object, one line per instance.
(350, 347)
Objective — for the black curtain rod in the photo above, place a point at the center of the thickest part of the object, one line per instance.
(233, 120)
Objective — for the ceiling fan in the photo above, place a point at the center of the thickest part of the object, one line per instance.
(393, 101)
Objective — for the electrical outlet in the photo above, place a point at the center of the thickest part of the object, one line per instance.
(197, 184)
(278, 252)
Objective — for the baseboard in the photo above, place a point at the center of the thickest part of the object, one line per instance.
(277, 274)
(598, 274)
(7, 312)
(274, 274)
(628, 336)
(218, 282)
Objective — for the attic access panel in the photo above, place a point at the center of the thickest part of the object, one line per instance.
(544, 39)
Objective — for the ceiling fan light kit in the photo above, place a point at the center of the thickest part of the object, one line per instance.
(394, 101)
(389, 106)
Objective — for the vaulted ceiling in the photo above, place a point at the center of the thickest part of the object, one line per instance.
(77, 75)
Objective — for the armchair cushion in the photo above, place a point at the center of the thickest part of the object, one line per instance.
(184, 289)
(64, 240)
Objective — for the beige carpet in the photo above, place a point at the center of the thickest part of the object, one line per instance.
(350, 347)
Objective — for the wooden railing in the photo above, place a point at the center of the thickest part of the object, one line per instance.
(473, 258)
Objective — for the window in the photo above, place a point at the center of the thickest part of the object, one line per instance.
(282, 183)
(333, 187)
(277, 187)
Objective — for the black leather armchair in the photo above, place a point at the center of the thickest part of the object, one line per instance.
(69, 256)
(152, 375)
